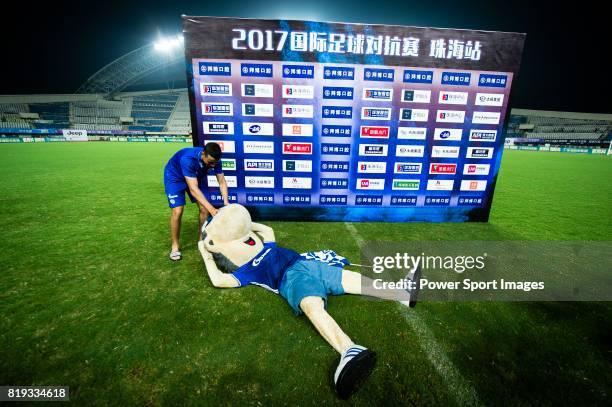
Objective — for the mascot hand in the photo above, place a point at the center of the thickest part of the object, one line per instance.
(206, 255)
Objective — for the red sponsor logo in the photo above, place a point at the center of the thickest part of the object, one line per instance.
(297, 148)
(471, 169)
(365, 183)
(442, 168)
(374, 131)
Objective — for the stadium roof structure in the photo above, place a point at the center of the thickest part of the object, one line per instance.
(130, 68)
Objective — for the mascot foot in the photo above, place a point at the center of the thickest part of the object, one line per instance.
(355, 366)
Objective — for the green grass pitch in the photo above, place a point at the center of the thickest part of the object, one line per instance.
(89, 300)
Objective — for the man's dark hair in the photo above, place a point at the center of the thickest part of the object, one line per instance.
(213, 150)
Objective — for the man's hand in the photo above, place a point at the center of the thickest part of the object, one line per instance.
(213, 211)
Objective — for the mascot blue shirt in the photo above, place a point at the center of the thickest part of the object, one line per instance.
(267, 269)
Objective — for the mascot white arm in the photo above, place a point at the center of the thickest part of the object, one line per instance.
(238, 252)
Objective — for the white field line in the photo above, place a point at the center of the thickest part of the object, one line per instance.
(460, 389)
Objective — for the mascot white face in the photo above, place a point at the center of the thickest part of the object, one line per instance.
(229, 237)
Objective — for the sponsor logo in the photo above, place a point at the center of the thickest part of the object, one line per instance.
(291, 129)
(440, 184)
(489, 99)
(333, 130)
(479, 152)
(456, 78)
(216, 89)
(370, 183)
(368, 200)
(258, 129)
(297, 165)
(337, 72)
(217, 109)
(337, 112)
(415, 115)
(416, 96)
(469, 201)
(377, 74)
(298, 91)
(334, 166)
(296, 199)
(226, 146)
(437, 201)
(371, 167)
(299, 111)
(228, 164)
(332, 199)
(258, 182)
(215, 68)
(218, 127)
(471, 185)
(483, 135)
(406, 184)
(376, 113)
(258, 70)
(412, 133)
(450, 116)
(377, 94)
(297, 183)
(342, 93)
(492, 81)
(297, 148)
(379, 150)
(476, 169)
(258, 165)
(444, 152)
(258, 109)
(453, 98)
(374, 131)
(486, 117)
(258, 260)
(232, 181)
(334, 148)
(448, 134)
(257, 90)
(334, 183)
(442, 168)
(409, 151)
(298, 71)
(407, 168)
(258, 147)
(260, 198)
(412, 76)
(403, 200)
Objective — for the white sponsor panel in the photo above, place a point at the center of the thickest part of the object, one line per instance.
(376, 150)
(450, 116)
(476, 169)
(377, 94)
(258, 147)
(440, 184)
(257, 90)
(444, 152)
(489, 99)
(226, 146)
(258, 129)
(251, 164)
(479, 152)
(74, 135)
(218, 128)
(217, 109)
(297, 165)
(472, 185)
(412, 133)
(216, 89)
(409, 151)
(416, 96)
(486, 117)
(407, 168)
(258, 109)
(413, 115)
(448, 134)
(370, 183)
(297, 182)
(453, 98)
(366, 167)
(295, 129)
(375, 113)
(298, 91)
(483, 135)
(258, 182)
(298, 111)
(232, 181)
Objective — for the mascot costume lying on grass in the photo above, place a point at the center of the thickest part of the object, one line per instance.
(238, 252)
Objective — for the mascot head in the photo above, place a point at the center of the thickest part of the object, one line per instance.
(228, 236)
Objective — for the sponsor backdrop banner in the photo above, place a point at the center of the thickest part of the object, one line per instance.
(352, 122)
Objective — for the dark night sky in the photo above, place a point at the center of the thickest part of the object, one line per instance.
(52, 47)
